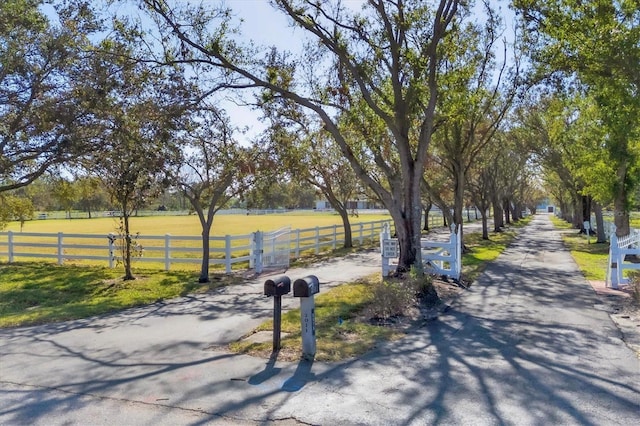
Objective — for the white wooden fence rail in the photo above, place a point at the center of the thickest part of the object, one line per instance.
(619, 248)
(170, 249)
(438, 257)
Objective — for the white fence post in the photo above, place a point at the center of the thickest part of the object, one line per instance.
(361, 235)
(317, 240)
(167, 252)
(227, 253)
(10, 245)
(457, 262)
(258, 251)
(297, 248)
(385, 234)
(335, 236)
(60, 250)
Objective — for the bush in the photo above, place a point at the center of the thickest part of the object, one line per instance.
(391, 298)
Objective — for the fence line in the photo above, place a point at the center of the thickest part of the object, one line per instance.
(169, 249)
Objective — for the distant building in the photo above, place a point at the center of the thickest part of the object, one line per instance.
(546, 206)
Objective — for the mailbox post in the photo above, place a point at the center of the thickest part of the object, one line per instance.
(277, 288)
(305, 288)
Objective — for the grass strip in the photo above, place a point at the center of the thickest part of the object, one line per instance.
(591, 258)
(37, 293)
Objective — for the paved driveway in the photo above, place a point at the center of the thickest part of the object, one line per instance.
(523, 346)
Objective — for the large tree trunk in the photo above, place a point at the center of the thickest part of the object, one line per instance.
(427, 209)
(128, 275)
(507, 211)
(620, 214)
(497, 216)
(585, 211)
(344, 215)
(408, 222)
(485, 225)
(577, 212)
(343, 210)
(204, 266)
(600, 235)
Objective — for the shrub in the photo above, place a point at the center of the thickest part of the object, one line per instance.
(390, 298)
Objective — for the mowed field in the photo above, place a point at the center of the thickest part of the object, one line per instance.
(84, 239)
(190, 225)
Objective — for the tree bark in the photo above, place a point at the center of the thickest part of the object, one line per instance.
(507, 211)
(204, 265)
(427, 209)
(128, 275)
(621, 215)
(601, 237)
(348, 239)
(497, 216)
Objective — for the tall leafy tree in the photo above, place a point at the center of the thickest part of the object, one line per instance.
(309, 156)
(477, 93)
(134, 125)
(42, 95)
(213, 169)
(66, 194)
(384, 61)
(597, 43)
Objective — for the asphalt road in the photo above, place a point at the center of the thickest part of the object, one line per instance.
(524, 346)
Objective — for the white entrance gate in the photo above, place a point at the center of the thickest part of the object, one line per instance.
(271, 250)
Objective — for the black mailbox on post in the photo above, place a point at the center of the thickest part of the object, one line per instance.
(306, 287)
(278, 286)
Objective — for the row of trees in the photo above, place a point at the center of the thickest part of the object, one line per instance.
(409, 102)
(88, 194)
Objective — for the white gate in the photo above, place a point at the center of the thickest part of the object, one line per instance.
(438, 257)
(271, 250)
(618, 250)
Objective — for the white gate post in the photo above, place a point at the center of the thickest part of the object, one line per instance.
(614, 261)
(335, 236)
(167, 252)
(227, 253)
(10, 245)
(385, 234)
(257, 250)
(457, 266)
(60, 248)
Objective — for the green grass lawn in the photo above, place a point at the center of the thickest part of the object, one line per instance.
(591, 258)
(36, 293)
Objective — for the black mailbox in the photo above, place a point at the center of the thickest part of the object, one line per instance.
(278, 286)
(306, 287)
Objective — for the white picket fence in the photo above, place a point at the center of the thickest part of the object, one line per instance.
(169, 249)
(438, 257)
(619, 248)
